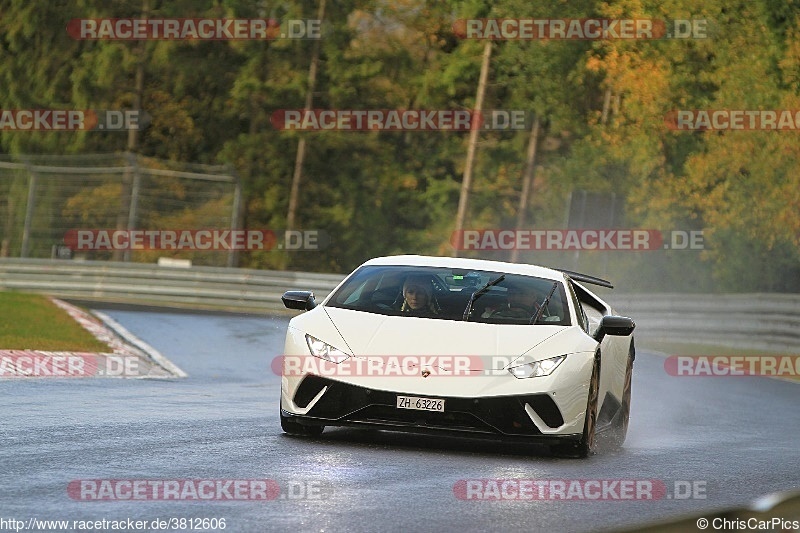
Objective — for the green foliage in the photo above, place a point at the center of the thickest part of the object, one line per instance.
(603, 106)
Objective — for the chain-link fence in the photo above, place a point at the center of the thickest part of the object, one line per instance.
(43, 199)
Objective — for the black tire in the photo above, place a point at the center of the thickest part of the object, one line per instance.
(295, 428)
(620, 428)
(587, 445)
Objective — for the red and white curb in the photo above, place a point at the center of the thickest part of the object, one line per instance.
(127, 351)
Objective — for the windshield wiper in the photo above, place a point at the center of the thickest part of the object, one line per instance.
(538, 314)
(477, 294)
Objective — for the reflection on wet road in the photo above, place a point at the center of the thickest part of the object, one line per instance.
(736, 436)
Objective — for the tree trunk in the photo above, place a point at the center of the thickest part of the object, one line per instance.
(297, 176)
(527, 182)
(466, 182)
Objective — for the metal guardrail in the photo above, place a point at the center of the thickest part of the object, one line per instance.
(757, 321)
(761, 321)
(209, 288)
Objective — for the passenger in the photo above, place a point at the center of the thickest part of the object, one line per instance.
(418, 298)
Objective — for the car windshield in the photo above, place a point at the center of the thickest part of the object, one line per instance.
(446, 293)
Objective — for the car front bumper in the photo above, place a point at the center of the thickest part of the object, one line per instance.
(534, 417)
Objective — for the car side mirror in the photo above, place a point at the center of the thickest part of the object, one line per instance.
(618, 326)
(300, 300)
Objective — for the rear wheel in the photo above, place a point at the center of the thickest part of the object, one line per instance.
(295, 428)
(587, 444)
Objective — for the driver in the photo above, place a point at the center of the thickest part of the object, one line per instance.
(418, 296)
(522, 301)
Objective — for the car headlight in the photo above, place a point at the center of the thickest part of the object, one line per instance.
(325, 351)
(537, 368)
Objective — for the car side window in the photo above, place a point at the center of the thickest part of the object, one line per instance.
(355, 295)
(583, 321)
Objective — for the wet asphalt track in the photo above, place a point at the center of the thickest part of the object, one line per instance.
(739, 436)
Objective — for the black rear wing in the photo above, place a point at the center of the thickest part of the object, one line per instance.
(585, 278)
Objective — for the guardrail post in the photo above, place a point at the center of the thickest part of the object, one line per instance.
(29, 208)
(237, 203)
(132, 211)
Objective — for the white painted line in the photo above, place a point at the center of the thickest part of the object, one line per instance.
(151, 352)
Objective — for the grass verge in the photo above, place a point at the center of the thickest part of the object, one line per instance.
(32, 322)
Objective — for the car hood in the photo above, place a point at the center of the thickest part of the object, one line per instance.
(368, 334)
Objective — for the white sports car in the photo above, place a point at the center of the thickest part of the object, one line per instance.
(460, 346)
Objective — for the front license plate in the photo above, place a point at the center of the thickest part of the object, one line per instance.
(420, 404)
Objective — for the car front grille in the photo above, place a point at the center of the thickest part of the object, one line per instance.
(499, 415)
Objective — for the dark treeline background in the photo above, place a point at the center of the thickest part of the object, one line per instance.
(602, 104)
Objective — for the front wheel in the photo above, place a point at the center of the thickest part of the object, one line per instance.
(587, 445)
(620, 429)
(295, 428)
